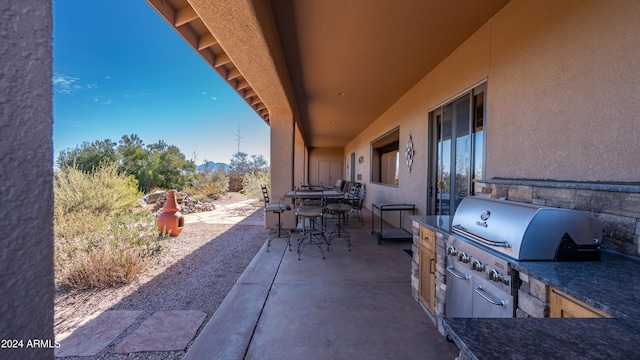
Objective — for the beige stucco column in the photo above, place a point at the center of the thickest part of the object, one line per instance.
(281, 165)
(299, 159)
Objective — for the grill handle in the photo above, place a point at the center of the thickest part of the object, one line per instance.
(480, 291)
(460, 230)
(457, 274)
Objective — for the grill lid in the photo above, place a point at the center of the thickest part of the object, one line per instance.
(528, 232)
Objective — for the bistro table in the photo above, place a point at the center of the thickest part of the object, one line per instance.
(314, 237)
(391, 233)
(314, 194)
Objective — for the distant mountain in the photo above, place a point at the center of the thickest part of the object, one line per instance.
(213, 166)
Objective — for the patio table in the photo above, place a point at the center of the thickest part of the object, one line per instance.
(309, 194)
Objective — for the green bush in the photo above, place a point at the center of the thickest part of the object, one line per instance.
(102, 237)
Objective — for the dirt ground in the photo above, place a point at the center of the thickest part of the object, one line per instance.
(231, 198)
(194, 271)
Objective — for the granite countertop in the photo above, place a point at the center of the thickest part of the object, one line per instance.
(437, 222)
(611, 285)
(606, 339)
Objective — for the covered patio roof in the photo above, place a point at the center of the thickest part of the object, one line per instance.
(336, 65)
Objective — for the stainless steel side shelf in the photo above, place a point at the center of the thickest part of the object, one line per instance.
(390, 232)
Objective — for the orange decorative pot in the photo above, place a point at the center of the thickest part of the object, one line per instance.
(170, 221)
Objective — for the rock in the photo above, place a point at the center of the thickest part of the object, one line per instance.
(186, 204)
(155, 196)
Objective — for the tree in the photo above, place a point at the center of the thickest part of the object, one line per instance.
(239, 163)
(157, 165)
(131, 152)
(89, 156)
(241, 167)
(258, 163)
(178, 172)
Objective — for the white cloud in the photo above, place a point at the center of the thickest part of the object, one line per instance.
(65, 84)
(214, 98)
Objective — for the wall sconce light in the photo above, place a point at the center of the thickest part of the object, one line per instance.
(361, 159)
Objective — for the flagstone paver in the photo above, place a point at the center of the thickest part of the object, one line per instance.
(169, 330)
(229, 214)
(94, 336)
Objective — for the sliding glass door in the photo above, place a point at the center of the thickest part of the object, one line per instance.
(457, 145)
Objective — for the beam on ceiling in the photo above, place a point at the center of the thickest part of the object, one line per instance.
(206, 41)
(233, 74)
(221, 59)
(242, 85)
(184, 15)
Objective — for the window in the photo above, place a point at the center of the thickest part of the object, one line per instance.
(457, 143)
(385, 158)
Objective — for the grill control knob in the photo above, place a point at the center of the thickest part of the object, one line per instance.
(477, 266)
(494, 275)
(452, 251)
(464, 258)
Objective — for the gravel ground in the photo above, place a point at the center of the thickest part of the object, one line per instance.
(194, 271)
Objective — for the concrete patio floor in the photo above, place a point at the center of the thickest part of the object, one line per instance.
(351, 305)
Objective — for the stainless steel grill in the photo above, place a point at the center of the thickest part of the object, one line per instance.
(491, 233)
(529, 232)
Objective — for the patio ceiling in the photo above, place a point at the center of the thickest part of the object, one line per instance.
(347, 61)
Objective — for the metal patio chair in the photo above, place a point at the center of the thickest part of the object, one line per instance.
(276, 208)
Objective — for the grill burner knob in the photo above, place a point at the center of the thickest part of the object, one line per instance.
(452, 251)
(494, 275)
(478, 266)
(464, 258)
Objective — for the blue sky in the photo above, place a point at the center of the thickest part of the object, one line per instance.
(119, 68)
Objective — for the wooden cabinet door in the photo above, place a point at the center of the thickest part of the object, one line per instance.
(427, 264)
(562, 305)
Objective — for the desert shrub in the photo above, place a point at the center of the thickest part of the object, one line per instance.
(101, 237)
(207, 189)
(210, 183)
(235, 182)
(252, 183)
(102, 191)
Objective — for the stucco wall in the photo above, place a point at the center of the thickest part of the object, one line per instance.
(563, 100)
(562, 85)
(26, 160)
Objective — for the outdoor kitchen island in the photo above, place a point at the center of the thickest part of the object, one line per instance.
(611, 286)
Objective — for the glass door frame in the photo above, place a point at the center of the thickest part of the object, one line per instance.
(435, 115)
